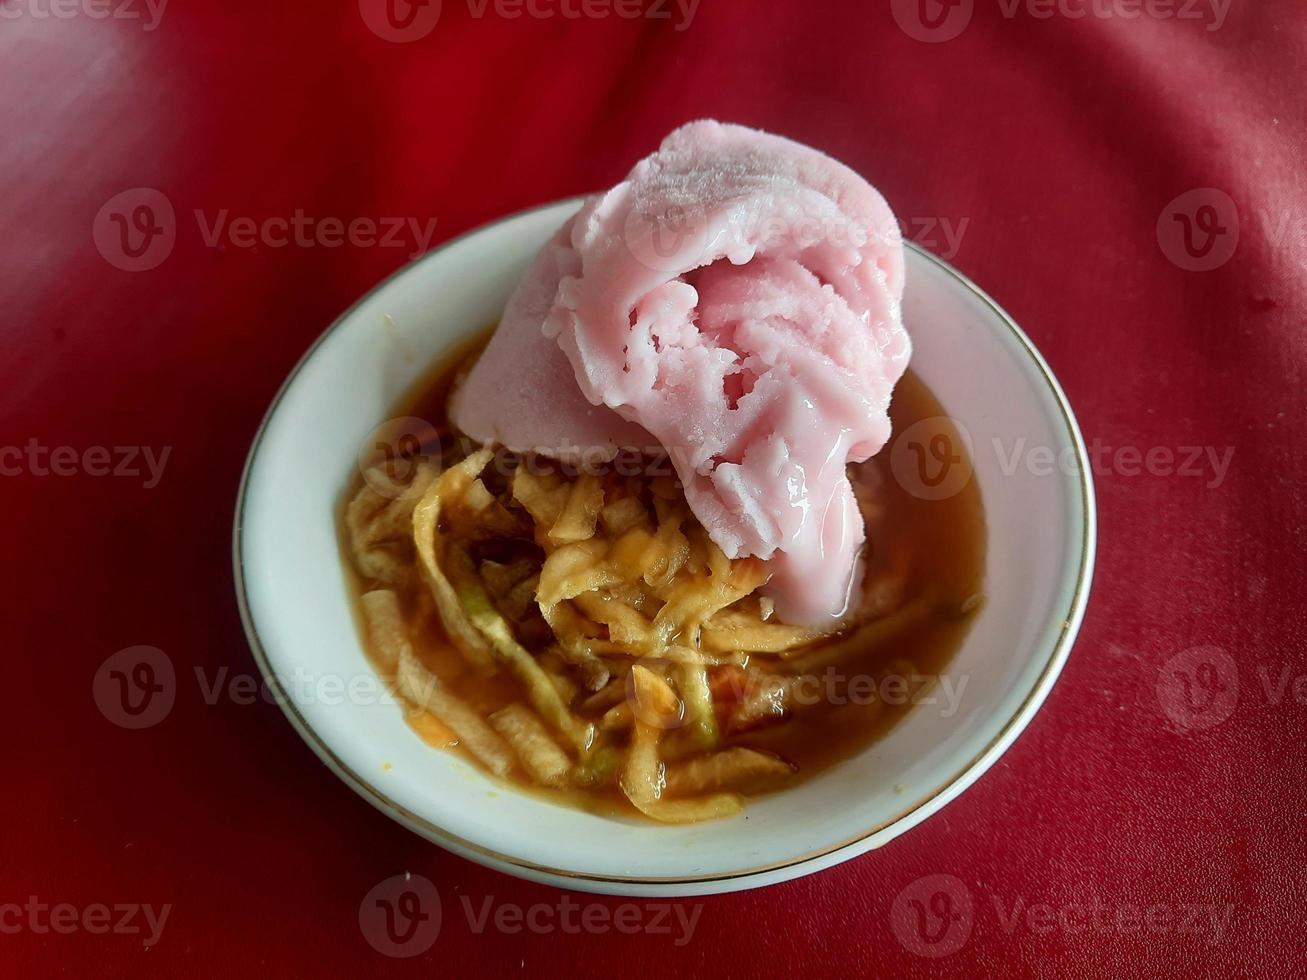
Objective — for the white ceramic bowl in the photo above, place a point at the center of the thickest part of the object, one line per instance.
(296, 606)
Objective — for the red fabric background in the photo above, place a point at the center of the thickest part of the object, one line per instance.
(1059, 140)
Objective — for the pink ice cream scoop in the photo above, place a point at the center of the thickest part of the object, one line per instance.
(736, 299)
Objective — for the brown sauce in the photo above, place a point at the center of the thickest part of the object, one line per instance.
(935, 546)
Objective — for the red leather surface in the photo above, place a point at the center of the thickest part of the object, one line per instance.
(1157, 785)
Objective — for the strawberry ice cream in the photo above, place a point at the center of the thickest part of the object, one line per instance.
(735, 300)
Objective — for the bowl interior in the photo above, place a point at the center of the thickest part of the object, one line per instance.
(297, 605)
